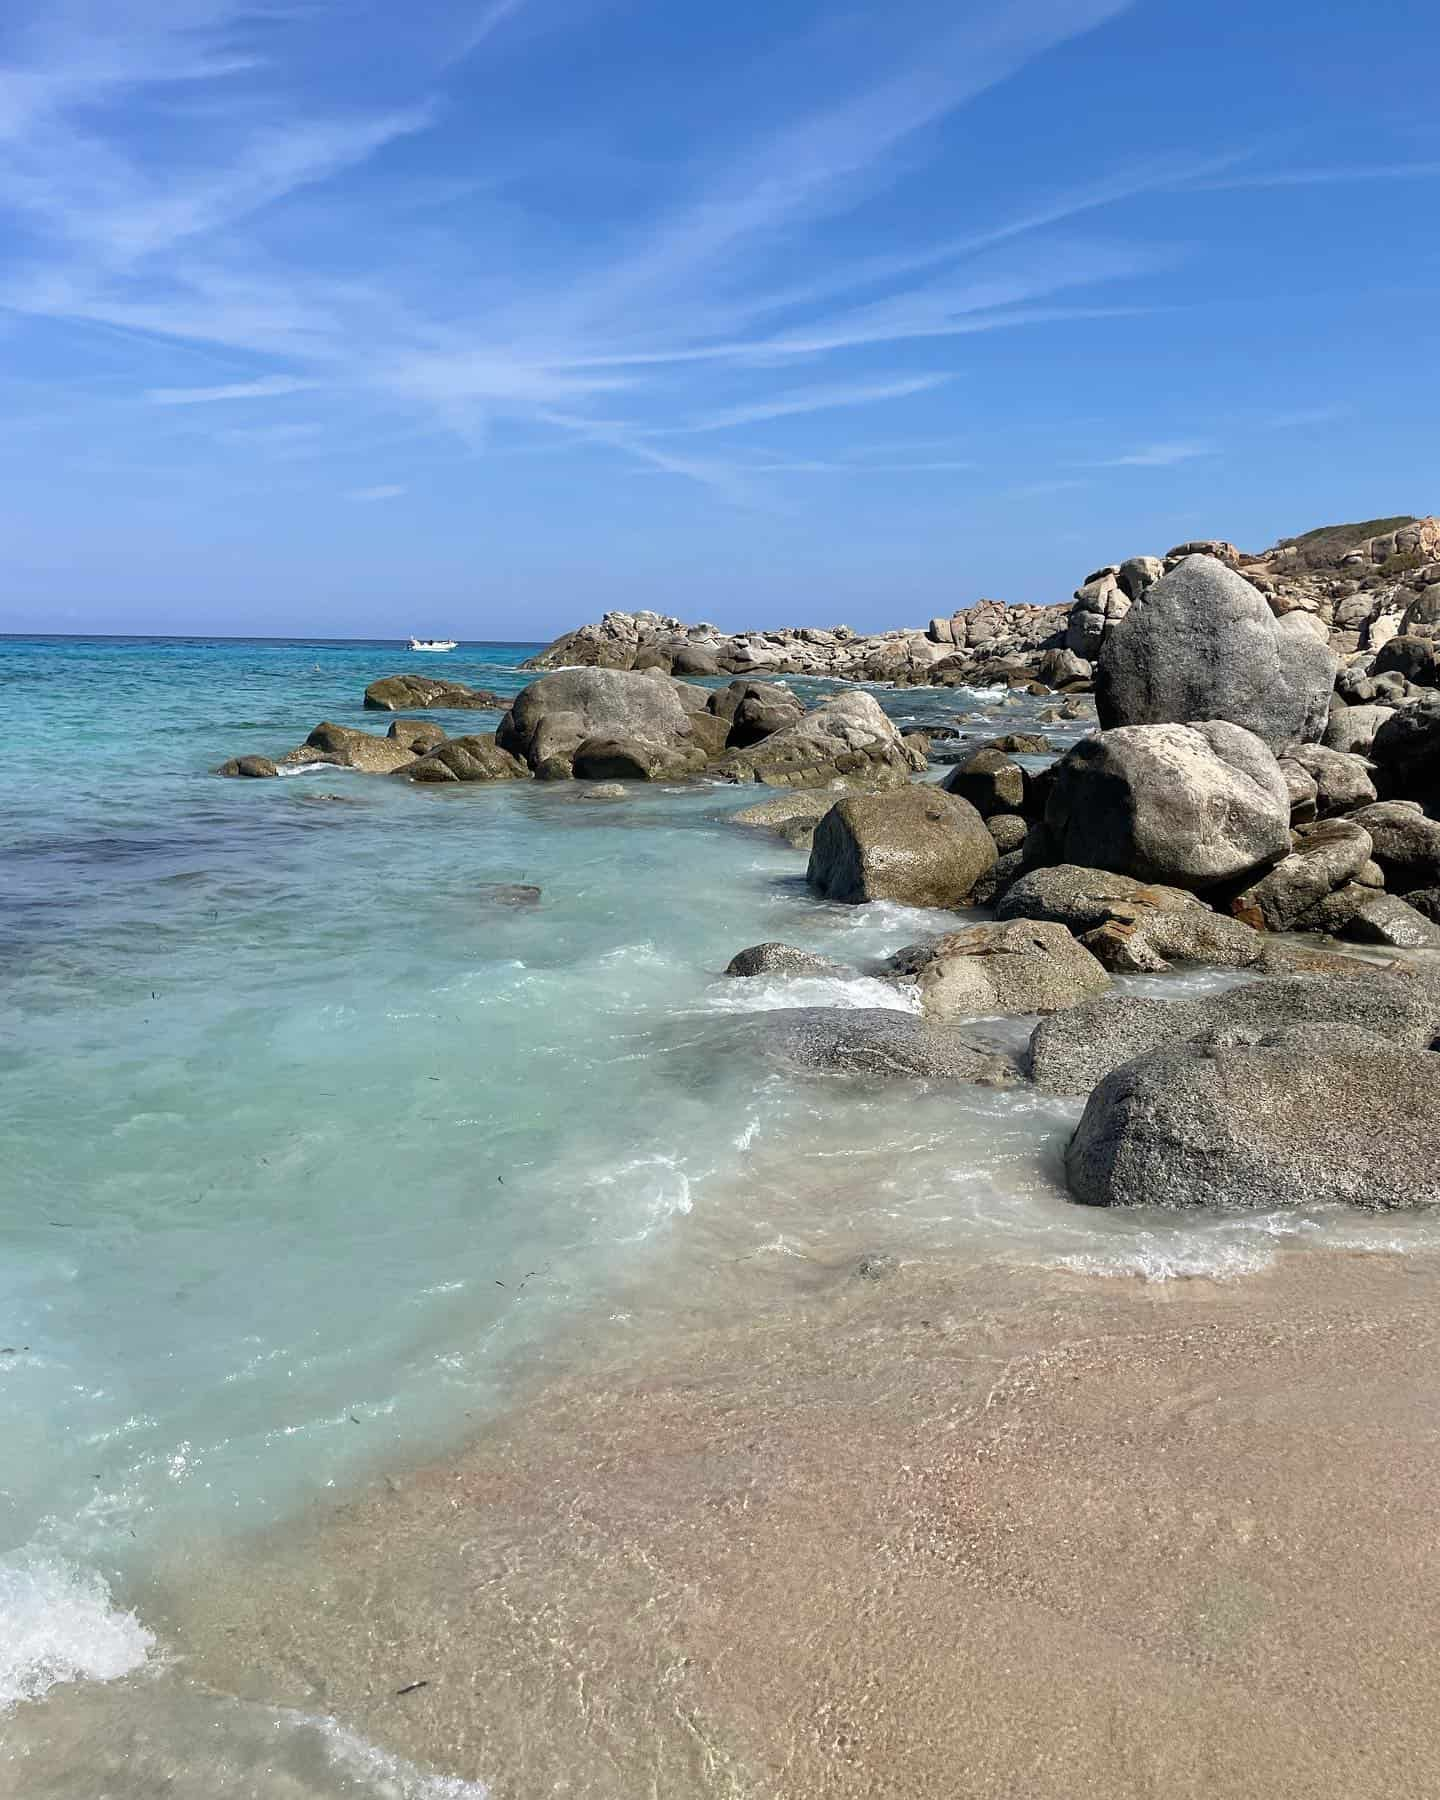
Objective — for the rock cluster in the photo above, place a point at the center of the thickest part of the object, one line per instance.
(416, 693)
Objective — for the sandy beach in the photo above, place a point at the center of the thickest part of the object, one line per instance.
(980, 1532)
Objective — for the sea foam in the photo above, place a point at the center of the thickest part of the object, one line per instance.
(59, 1623)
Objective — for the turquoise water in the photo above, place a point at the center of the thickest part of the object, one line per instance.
(312, 1147)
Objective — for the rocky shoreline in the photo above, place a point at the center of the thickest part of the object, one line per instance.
(1252, 780)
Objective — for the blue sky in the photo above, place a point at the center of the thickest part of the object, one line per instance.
(361, 318)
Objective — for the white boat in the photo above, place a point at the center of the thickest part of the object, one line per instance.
(432, 643)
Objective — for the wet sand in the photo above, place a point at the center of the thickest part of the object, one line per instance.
(951, 1532)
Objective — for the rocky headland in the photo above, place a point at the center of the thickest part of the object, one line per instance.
(1266, 766)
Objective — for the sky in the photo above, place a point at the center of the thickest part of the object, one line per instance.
(348, 318)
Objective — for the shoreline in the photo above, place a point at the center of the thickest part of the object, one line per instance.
(977, 1529)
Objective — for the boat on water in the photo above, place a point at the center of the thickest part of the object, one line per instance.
(432, 643)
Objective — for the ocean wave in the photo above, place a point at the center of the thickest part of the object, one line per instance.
(758, 993)
(58, 1623)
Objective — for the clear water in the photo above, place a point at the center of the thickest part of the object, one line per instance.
(310, 1146)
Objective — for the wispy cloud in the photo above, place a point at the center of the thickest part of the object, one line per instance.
(388, 491)
(1158, 456)
(267, 387)
(1323, 177)
(810, 400)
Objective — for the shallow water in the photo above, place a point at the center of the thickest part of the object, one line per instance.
(313, 1143)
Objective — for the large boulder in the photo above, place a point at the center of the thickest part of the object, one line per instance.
(1187, 805)
(412, 693)
(553, 717)
(846, 738)
(867, 1041)
(920, 847)
(1306, 1116)
(990, 781)
(1071, 1051)
(1406, 843)
(1202, 643)
(1416, 658)
(1326, 856)
(1406, 751)
(985, 971)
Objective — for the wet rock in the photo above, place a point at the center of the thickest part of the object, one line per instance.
(919, 846)
(414, 693)
(874, 1042)
(877, 1266)
(1186, 805)
(999, 970)
(1307, 1116)
(1406, 843)
(1086, 899)
(346, 748)
(793, 816)
(780, 959)
(1071, 1051)
(1202, 644)
(417, 736)
(631, 759)
(475, 758)
(847, 738)
(252, 768)
(1326, 856)
(1144, 940)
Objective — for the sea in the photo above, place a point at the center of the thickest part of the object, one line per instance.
(318, 1137)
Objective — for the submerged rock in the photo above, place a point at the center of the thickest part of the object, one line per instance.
(793, 816)
(414, 693)
(1202, 643)
(1006, 969)
(920, 847)
(253, 768)
(346, 748)
(780, 959)
(1071, 1051)
(867, 1041)
(508, 893)
(1307, 1116)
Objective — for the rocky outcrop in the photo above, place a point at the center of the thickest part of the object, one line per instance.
(987, 971)
(1185, 805)
(1201, 643)
(414, 693)
(1312, 1115)
(847, 738)
(1073, 1050)
(919, 846)
(946, 652)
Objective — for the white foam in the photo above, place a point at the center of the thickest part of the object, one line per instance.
(58, 1623)
(759, 993)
